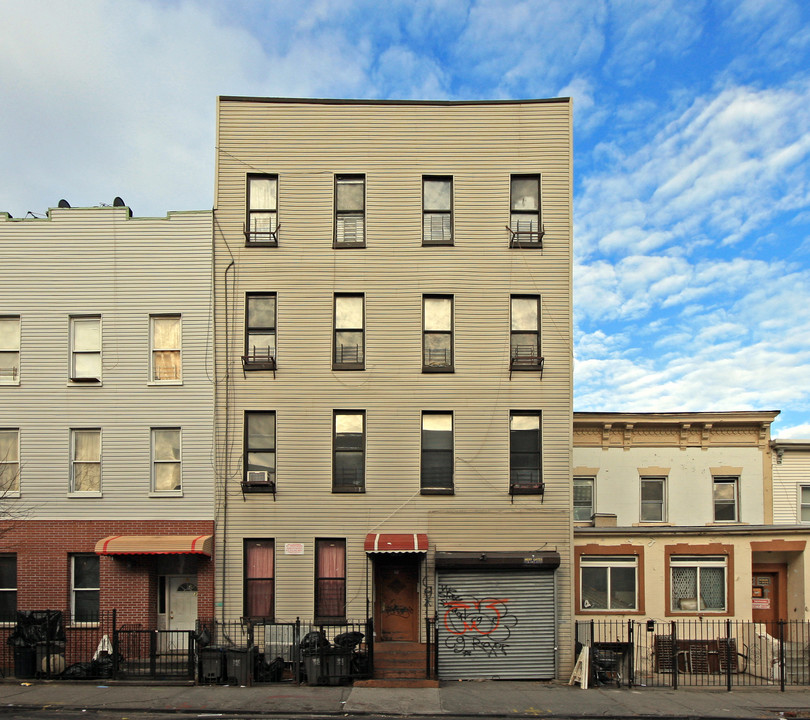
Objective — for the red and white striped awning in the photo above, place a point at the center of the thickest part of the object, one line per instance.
(156, 545)
(396, 543)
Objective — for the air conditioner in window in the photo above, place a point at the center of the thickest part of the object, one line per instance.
(258, 477)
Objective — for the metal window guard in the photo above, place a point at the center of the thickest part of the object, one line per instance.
(259, 361)
(261, 237)
(526, 238)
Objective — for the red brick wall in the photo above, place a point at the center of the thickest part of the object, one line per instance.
(128, 583)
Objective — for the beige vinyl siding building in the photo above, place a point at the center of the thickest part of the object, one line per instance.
(107, 400)
(370, 387)
(791, 481)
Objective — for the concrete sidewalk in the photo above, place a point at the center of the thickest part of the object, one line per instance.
(487, 698)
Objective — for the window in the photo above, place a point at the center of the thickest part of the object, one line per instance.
(9, 350)
(350, 210)
(525, 459)
(8, 588)
(85, 475)
(166, 339)
(260, 449)
(9, 461)
(349, 341)
(262, 210)
(804, 503)
(348, 463)
(260, 332)
(608, 582)
(85, 349)
(259, 579)
(437, 345)
(524, 218)
(84, 588)
(583, 498)
(330, 580)
(698, 583)
(524, 340)
(166, 460)
(725, 499)
(437, 453)
(652, 499)
(437, 211)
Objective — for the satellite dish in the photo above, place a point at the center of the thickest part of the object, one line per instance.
(118, 202)
(64, 203)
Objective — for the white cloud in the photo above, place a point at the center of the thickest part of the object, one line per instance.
(794, 432)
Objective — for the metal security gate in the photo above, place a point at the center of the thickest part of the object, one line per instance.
(496, 625)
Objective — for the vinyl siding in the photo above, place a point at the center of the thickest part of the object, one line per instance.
(788, 475)
(99, 261)
(393, 145)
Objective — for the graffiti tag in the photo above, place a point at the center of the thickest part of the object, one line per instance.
(397, 610)
(476, 626)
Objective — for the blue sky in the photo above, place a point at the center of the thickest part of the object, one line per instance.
(692, 142)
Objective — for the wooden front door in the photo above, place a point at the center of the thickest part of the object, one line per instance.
(397, 598)
(768, 596)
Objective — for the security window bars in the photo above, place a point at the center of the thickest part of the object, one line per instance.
(652, 499)
(349, 339)
(262, 210)
(166, 341)
(437, 210)
(259, 579)
(8, 587)
(9, 350)
(724, 492)
(85, 471)
(608, 582)
(9, 461)
(330, 580)
(804, 503)
(437, 453)
(260, 449)
(348, 462)
(524, 217)
(583, 498)
(166, 461)
(524, 341)
(525, 457)
(260, 332)
(85, 349)
(85, 588)
(350, 210)
(698, 583)
(437, 332)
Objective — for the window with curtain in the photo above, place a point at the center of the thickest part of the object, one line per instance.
(166, 339)
(437, 210)
(259, 578)
(166, 460)
(9, 461)
(698, 583)
(350, 210)
(85, 349)
(9, 350)
(262, 210)
(330, 580)
(349, 340)
(437, 333)
(524, 217)
(85, 470)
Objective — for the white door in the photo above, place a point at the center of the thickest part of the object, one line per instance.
(181, 610)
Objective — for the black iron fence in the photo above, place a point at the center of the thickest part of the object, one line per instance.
(699, 652)
(253, 650)
(51, 644)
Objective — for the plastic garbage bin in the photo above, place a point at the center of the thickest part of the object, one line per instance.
(50, 660)
(328, 666)
(25, 662)
(239, 663)
(212, 664)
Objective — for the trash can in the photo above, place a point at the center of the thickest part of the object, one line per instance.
(25, 662)
(239, 662)
(50, 660)
(212, 664)
(328, 666)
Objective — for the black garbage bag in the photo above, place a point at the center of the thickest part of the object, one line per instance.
(35, 626)
(102, 666)
(78, 671)
(275, 670)
(315, 640)
(349, 640)
(203, 637)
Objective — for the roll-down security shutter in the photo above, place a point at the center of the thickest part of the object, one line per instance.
(497, 625)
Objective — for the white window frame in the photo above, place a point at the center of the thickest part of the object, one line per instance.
(801, 505)
(9, 347)
(73, 461)
(592, 482)
(609, 562)
(698, 562)
(75, 351)
(723, 480)
(174, 492)
(9, 589)
(153, 349)
(74, 590)
(10, 467)
(663, 504)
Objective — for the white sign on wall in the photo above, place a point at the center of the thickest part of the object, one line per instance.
(293, 548)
